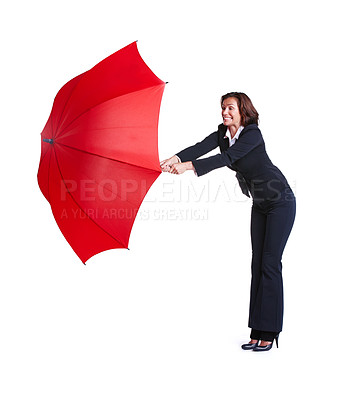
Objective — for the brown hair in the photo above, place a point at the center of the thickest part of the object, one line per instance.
(247, 111)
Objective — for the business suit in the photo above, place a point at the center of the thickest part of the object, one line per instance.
(272, 217)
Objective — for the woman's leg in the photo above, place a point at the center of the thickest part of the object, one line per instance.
(255, 335)
(266, 313)
(258, 229)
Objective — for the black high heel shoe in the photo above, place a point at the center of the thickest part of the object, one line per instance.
(250, 346)
(267, 347)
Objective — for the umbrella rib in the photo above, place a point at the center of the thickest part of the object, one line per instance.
(107, 158)
(51, 116)
(88, 109)
(43, 156)
(64, 106)
(58, 166)
(48, 172)
(48, 178)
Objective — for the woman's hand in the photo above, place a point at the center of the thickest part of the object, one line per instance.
(165, 165)
(179, 168)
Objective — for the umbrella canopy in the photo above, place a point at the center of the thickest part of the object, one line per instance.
(99, 151)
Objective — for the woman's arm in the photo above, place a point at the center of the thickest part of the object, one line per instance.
(247, 142)
(182, 160)
(200, 148)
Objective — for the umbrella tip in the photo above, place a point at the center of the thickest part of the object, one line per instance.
(48, 141)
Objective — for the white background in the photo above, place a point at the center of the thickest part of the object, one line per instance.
(166, 319)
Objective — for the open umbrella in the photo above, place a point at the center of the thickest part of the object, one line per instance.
(99, 153)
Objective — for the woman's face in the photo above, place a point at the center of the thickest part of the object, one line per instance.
(230, 112)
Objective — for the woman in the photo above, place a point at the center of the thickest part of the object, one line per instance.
(273, 210)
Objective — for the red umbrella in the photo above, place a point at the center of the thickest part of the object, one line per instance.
(99, 153)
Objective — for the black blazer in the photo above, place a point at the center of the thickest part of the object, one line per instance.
(247, 156)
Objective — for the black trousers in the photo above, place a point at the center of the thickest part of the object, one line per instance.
(271, 224)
